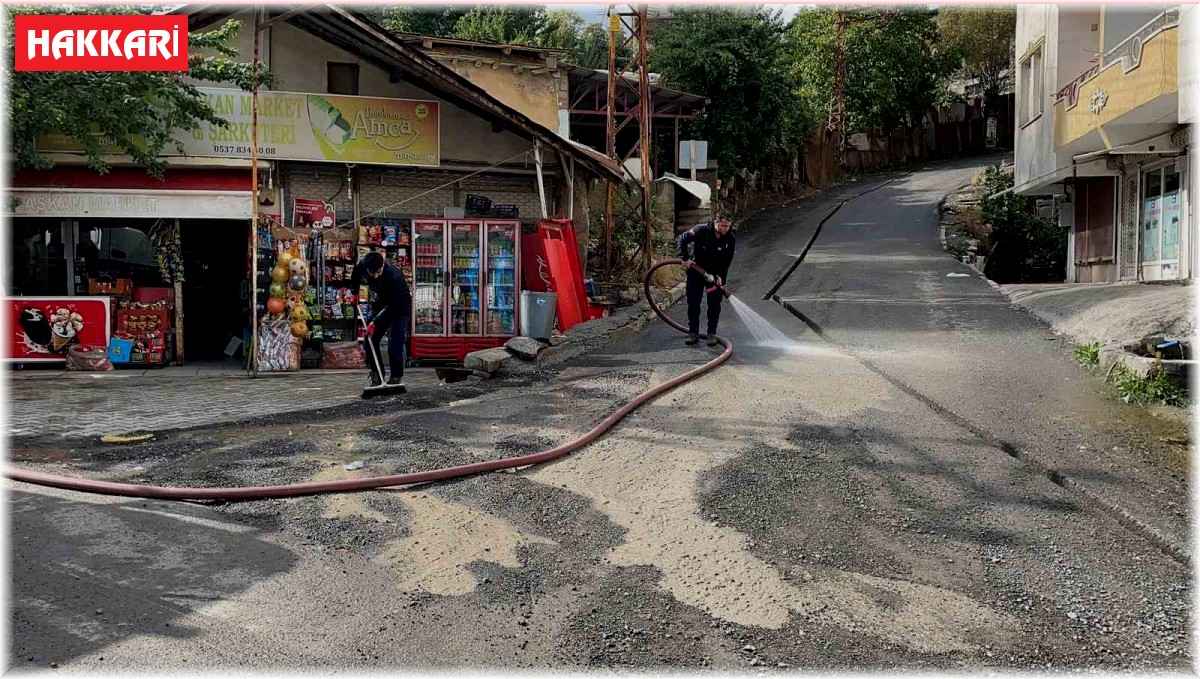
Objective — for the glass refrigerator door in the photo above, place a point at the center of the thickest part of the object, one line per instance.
(465, 268)
(501, 317)
(429, 269)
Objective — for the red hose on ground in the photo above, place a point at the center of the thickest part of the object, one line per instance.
(371, 483)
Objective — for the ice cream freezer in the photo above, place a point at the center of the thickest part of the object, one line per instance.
(466, 290)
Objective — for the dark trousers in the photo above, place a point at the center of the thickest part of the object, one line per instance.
(396, 327)
(695, 293)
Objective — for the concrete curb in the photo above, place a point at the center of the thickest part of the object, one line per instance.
(1179, 551)
(591, 335)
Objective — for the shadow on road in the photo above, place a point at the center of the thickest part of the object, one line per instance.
(90, 574)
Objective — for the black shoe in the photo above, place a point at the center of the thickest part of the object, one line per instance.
(395, 381)
(712, 340)
(376, 380)
(692, 340)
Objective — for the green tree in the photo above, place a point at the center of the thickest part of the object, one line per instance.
(591, 48)
(736, 58)
(137, 112)
(586, 43)
(435, 21)
(895, 68)
(511, 24)
(984, 39)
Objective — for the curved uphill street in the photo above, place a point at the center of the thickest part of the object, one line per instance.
(851, 500)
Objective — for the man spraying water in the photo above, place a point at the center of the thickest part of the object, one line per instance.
(713, 245)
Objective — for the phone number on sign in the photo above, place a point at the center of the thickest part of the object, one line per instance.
(263, 150)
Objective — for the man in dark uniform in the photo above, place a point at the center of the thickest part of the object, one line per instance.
(392, 307)
(713, 246)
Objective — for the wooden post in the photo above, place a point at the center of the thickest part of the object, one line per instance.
(179, 303)
(537, 159)
(614, 27)
(254, 200)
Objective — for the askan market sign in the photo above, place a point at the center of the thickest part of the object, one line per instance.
(306, 127)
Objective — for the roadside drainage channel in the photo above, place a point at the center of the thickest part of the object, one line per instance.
(1163, 542)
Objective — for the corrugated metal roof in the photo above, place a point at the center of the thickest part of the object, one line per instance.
(580, 73)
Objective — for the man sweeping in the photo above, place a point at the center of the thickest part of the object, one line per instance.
(713, 246)
(393, 308)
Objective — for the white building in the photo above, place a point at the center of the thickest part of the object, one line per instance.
(1101, 99)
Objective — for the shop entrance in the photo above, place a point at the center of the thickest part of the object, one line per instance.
(215, 300)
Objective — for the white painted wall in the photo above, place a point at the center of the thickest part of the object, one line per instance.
(1189, 64)
(1034, 143)
(1077, 41)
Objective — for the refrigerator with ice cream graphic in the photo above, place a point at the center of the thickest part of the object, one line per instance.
(43, 329)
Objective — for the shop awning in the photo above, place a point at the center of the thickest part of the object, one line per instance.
(352, 31)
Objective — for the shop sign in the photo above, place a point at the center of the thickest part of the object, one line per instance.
(305, 127)
(102, 203)
(43, 329)
(310, 213)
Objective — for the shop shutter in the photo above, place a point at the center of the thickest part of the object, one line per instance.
(1094, 219)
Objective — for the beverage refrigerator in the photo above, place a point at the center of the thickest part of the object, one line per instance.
(466, 290)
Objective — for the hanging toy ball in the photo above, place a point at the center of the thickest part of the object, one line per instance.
(299, 313)
(278, 290)
(276, 306)
(299, 329)
(298, 267)
(279, 274)
(298, 282)
(285, 258)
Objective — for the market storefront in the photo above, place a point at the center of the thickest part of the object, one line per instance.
(431, 171)
(126, 238)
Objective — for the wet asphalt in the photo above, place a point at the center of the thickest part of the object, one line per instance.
(849, 503)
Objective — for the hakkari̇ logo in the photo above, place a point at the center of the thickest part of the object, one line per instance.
(69, 42)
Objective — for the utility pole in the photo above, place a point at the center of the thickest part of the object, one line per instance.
(837, 104)
(254, 197)
(634, 20)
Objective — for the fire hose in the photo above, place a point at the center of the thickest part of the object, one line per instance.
(376, 482)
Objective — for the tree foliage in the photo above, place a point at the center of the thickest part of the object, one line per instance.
(984, 39)
(895, 67)
(1026, 247)
(436, 21)
(136, 112)
(737, 59)
(586, 43)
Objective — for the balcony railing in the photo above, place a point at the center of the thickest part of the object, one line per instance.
(1070, 92)
(1128, 53)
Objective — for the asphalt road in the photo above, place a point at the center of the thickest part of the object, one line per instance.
(848, 501)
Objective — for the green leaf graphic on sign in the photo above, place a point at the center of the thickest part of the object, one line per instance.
(328, 123)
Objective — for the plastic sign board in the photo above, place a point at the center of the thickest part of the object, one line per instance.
(687, 149)
(311, 213)
(100, 42)
(306, 127)
(43, 329)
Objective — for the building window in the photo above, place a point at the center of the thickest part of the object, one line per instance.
(1160, 215)
(1033, 82)
(341, 78)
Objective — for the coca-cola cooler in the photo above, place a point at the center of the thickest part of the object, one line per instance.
(465, 291)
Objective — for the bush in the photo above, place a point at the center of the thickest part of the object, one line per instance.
(1156, 387)
(1025, 248)
(1088, 355)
